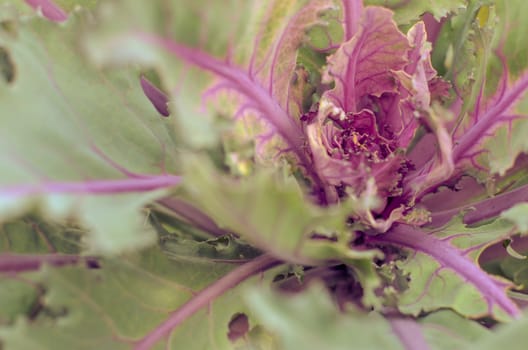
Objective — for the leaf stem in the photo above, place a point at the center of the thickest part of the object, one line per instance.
(205, 297)
(15, 263)
(491, 117)
(352, 10)
(410, 333)
(49, 9)
(112, 186)
(485, 209)
(491, 207)
(239, 80)
(192, 214)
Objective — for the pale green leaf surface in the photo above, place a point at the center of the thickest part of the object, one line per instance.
(512, 336)
(31, 234)
(516, 270)
(511, 29)
(229, 30)
(310, 320)
(69, 5)
(518, 214)
(408, 11)
(508, 142)
(269, 210)
(432, 287)
(59, 116)
(16, 298)
(111, 307)
(446, 329)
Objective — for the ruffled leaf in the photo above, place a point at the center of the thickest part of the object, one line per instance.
(360, 66)
(269, 210)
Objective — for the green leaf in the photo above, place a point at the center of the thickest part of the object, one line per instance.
(109, 42)
(512, 37)
(225, 248)
(33, 235)
(81, 124)
(516, 270)
(446, 329)
(16, 298)
(239, 31)
(462, 52)
(518, 214)
(270, 210)
(409, 11)
(432, 286)
(512, 336)
(115, 305)
(310, 320)
(70, 5)
(508, 142)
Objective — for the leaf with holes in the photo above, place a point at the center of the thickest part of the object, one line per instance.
(443, 270)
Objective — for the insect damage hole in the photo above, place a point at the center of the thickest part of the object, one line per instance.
(238, 327)
(7, 67)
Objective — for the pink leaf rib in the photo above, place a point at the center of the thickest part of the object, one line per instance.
(241, 81)
(352, 10)
(410, 333)
(14, 263)
(49, 9)
(489, 120)
(140, 184)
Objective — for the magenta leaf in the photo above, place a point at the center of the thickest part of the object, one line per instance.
(362, 65)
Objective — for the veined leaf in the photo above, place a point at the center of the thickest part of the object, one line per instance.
(443, 271)
(78, 146)
(114, 306)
